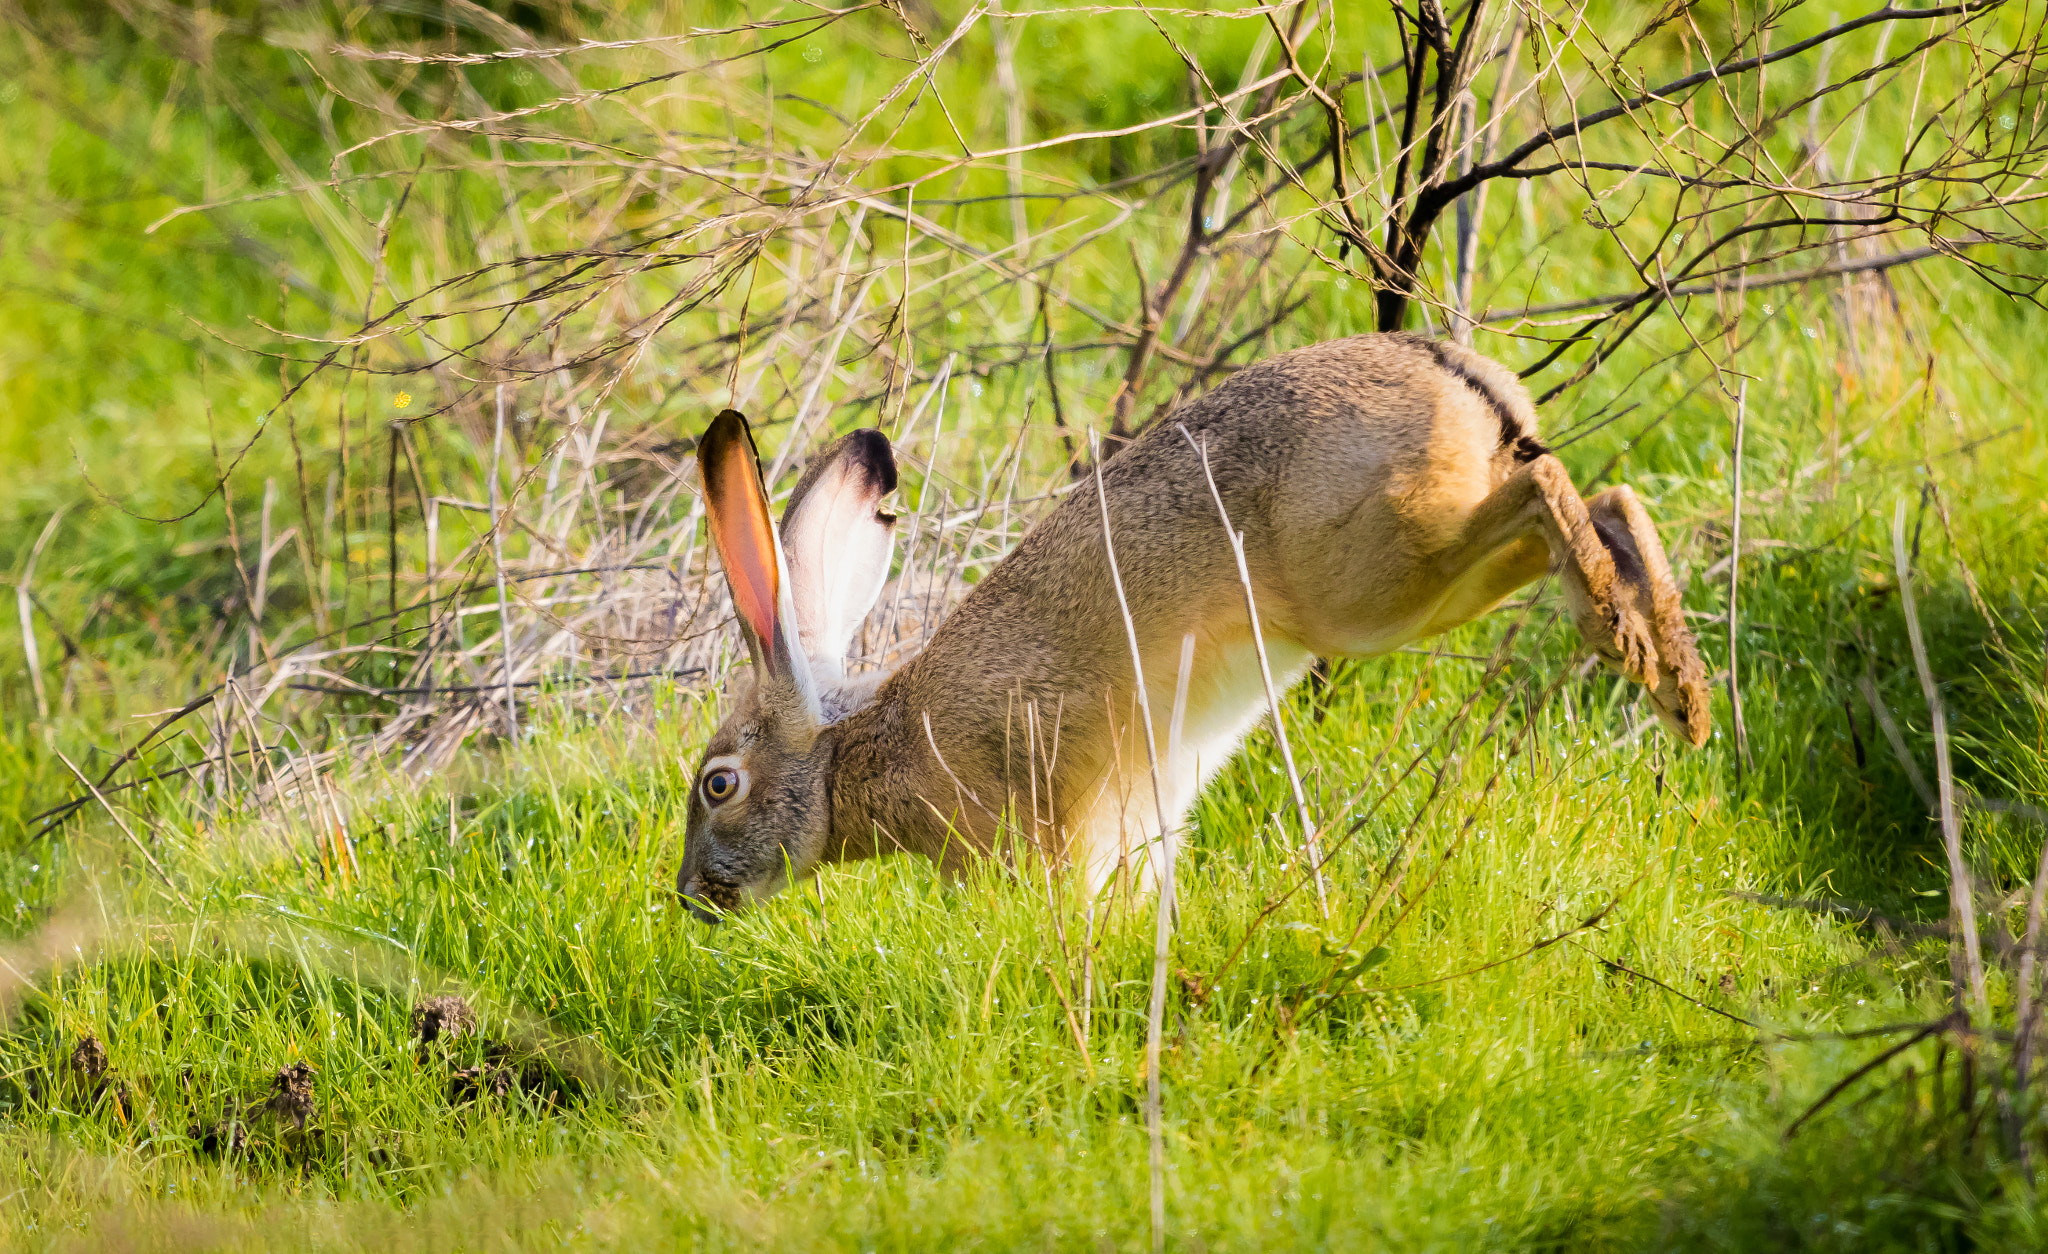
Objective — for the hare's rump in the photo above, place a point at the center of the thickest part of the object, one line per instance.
(1440, 502)
(1406, 492)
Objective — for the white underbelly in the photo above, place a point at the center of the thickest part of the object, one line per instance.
(1226, 698)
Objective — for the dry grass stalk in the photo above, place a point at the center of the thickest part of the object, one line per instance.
(1970, 961)
(1159, 853)
(2026, 1016)
(498, 566)
(1310, 840)
(1734, 571)
(126, 830)
(24, 605)
(1867, 687)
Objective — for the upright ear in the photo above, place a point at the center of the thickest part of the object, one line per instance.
(838, 541)
(744, 534)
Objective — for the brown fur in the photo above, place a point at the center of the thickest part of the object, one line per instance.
(1389, 488)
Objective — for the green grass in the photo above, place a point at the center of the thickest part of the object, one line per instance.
(1581, 1037)
(880, 1059)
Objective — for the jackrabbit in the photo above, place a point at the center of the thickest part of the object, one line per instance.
(1388, 487)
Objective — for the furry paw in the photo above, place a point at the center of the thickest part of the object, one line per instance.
(1635, 646)
(1683, 702)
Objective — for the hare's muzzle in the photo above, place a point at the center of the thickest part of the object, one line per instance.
(708, 900)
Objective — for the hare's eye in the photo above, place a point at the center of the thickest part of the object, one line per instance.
(721, 785)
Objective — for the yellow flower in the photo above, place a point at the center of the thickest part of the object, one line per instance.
(402, 399)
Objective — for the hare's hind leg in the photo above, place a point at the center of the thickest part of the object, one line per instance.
(1679, 691)
(1616, 580)
(1532, 522)
(1490, 580)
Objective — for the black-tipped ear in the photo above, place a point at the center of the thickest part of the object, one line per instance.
(838, 542)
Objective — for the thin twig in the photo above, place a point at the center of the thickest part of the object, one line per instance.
(1627, 970)
(498, 562)
(1866, 685)
(2026, 1017)
(1750, 283)
(1840, 1086)
(127, 831)
(1846, 910)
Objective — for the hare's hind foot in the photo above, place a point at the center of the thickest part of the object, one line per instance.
(1616, 581)
(1646, 594)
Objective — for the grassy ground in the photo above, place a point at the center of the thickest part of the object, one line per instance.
(1582, 1033)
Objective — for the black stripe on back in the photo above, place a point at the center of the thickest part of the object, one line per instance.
(1511, 432)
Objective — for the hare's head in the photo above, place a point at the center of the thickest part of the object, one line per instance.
(760, 808)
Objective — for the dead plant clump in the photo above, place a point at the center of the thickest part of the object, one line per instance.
(448, 1020)
(291, 1094)
(288, 1106)
(442, 1019)
(490, 1078)
(89, 1058)
(89, 1071)
(226, 1137)
(499, 1076)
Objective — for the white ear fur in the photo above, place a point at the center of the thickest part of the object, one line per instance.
(802, 676)
(838, 543)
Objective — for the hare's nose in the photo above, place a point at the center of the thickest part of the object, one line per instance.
(694, 897)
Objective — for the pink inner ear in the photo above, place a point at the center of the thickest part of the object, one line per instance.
(741, 530)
